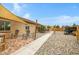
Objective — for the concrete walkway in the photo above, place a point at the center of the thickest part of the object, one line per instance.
(32, 48)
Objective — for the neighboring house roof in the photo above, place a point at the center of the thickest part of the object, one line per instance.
(4, 13)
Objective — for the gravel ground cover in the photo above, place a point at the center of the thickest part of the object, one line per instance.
(59, 44)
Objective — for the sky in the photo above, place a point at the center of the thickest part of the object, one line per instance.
(47, 13)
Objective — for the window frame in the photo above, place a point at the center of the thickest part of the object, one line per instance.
(27, 27)
(4, 29)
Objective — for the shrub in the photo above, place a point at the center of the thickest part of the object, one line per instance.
(42, 29)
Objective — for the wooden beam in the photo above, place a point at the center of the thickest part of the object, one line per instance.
(35, 29)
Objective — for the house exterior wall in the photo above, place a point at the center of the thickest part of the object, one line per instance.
(16, 22)
(32, 28)
(16, 26)
(21, 27)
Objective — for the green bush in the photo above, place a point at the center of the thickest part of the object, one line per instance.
(42, 29)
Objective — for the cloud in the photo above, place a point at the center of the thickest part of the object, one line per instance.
(19, 9)
(27, 15)
(60, 20)
(16, 8)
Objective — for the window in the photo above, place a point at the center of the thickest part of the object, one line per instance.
(7, 25)
(1, 25)
(4, 25)
(27, 27)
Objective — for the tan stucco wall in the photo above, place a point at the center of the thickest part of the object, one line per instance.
(21, 27)
(32, 28)
(18, 26)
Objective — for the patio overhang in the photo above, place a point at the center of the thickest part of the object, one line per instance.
(4, 13)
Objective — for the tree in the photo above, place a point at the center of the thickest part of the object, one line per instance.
(42, 28)
(56, 26)
(74, 25)
(48, 26)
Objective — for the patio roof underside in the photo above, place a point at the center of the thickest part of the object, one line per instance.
(8, 15)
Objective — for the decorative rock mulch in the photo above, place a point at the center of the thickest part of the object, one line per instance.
(14, 44)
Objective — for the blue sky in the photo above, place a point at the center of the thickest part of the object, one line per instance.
(47, 13)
